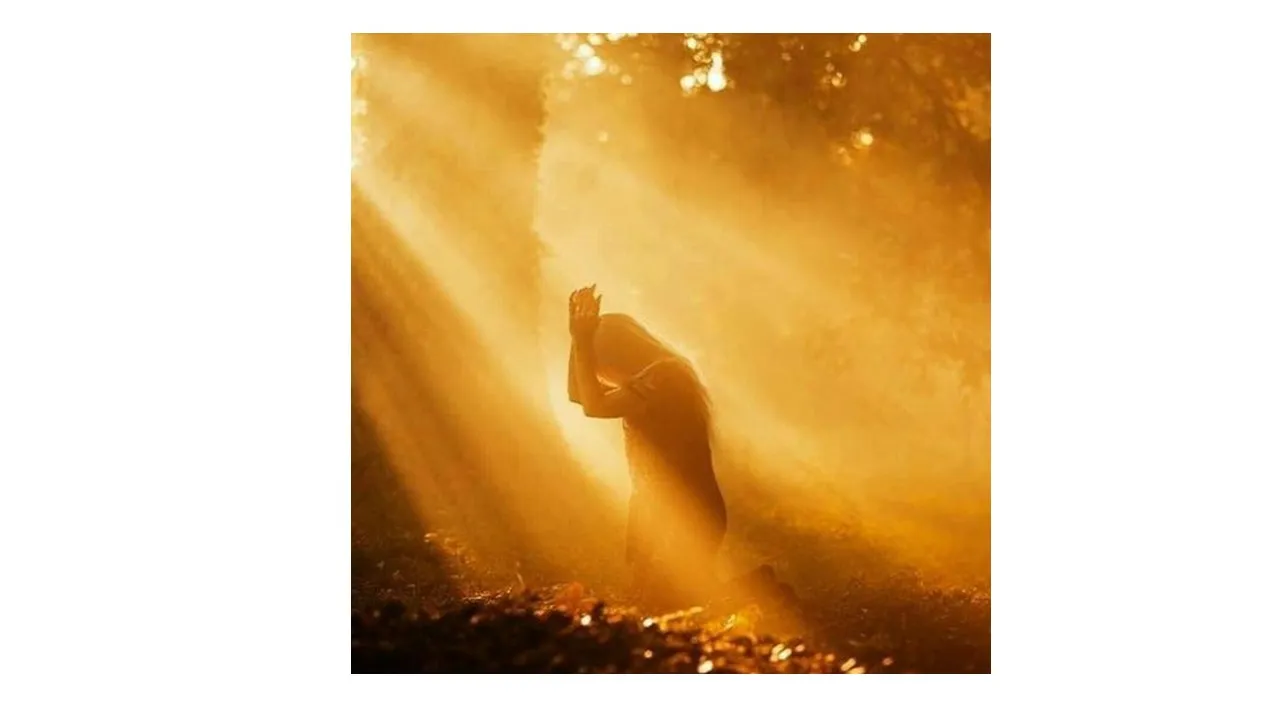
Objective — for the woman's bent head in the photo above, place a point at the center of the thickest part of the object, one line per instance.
(625, 348)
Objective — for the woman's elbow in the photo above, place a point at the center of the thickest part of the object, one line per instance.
(593, 412)
(600, 409)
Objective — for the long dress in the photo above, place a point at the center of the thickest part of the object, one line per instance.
(677, 516)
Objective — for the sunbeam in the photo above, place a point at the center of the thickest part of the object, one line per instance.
(832, 297)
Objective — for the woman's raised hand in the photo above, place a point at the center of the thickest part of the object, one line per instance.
(584, 312)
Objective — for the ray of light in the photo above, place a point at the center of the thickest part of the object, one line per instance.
(716, 283)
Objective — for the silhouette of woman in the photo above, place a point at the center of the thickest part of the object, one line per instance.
(676, 518)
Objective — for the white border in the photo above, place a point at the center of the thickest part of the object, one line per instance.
(174, 285)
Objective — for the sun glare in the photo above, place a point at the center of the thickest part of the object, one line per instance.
(716, 80)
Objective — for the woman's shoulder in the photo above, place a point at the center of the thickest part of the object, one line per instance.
(667, 371)
(667, 380)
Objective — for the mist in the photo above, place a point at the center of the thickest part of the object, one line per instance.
(834, 302)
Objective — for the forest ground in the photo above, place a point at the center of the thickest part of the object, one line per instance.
(413, 611)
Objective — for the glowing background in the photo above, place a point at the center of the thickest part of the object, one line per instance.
(836, 335)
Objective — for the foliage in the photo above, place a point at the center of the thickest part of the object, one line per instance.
(926, 93)
(524, 631)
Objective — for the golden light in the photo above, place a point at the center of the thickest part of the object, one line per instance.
(655, 238)
(703, 265)
(405, 248)
(593, 66)
(716, 80)
(359, 108)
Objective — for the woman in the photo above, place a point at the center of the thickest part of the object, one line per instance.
(677, 518)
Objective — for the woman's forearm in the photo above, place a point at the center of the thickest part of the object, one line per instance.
(590, 390)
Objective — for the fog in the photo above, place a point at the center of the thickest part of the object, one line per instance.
(836, 338)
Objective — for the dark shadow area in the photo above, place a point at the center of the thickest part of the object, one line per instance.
(390, 557)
